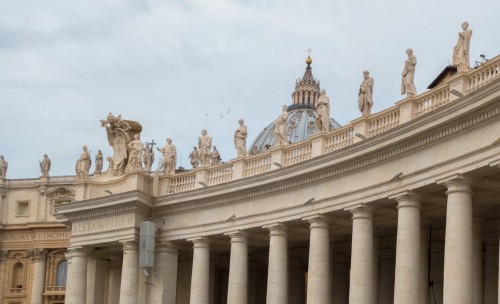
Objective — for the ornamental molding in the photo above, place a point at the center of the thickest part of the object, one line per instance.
(37, 254)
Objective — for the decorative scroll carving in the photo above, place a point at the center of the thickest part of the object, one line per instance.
(37, 254)
(120, 133)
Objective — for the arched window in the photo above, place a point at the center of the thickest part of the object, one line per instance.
(18, 275)
(62, 270)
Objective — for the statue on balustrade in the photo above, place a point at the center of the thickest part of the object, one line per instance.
(240, 139)
(148, 157)
(169, 158)
(45, 165)
(215, 157)
(323, 110)
(3, 167)
(120, 134)
(280, 127)
(407, 85)
(365, 94)
(135, 154)
(99, 158)
(204, 146)
(193, 158)
(83, 165)
(461, 49)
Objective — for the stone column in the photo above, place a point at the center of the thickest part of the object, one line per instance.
(200, 278)
(457, 287)
(237, 292)
(318, 274)
(297, 286)
(76, 287)
(340, 279)
(386, 282)
(129, 286)
(164, 280)
(477, 261)
(361, 278)
(491, 272)
(115, 273)
(39, 257)
(407, 273)
(96, 276)
(277, 276)
(3, 260)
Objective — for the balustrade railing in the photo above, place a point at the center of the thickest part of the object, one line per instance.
(339, 138)
(383, 121)
(432, 100)
(298, 153)
(486, 73)
(258, 164)
(220, 174)
(16, 291)
(183, 182)
(54, 290)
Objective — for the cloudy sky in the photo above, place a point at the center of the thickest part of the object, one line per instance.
(174, 66)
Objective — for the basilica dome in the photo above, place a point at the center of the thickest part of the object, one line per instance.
(301, 122)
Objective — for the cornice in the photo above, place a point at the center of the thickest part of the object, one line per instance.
(465, 113)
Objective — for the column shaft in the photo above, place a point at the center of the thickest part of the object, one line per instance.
(407, 273)
(457, 287)
(277, 277)
(76, 289)
(318, 275)
(238, 269)
(200, 278)
(361, 278)
(38, 278)
(130, 273)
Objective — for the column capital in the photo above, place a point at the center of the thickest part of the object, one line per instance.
(407, 196)
(276, 229)
(317, 221)
(361, 211)
(457, 183)
(200, 242)
(4, 254)
(130, 245)
(79, 251)
(238, 236)
(37, 254)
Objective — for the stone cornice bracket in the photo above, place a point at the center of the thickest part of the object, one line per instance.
(4, 254)
(37, 254)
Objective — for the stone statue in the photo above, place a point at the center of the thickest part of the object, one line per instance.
(365, 100)
(193, 157)
(148, 158)
(120, 133)
(215, 156)
(280, 127)
(135, 154)
(323, 110)
(98, 162)
(45, 165)
(3, 167)
(407, 85)
(255, 150)
(461, 49)
(240, 139)
(83, 165)
(204, 146)
(169, 158)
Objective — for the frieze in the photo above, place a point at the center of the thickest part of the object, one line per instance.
(103, 224)
(34, 236)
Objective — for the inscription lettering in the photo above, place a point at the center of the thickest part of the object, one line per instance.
(34, 236)
(103, 224)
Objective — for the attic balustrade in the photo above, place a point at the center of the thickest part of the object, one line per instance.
(321, 143)
(357, 130)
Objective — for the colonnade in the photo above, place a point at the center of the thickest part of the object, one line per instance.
(387, 276)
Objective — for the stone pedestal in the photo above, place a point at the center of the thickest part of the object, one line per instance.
(277, 276)
(457, 287)
(361, 278)
(318, 277)
(130, 273)
(407, 272)
(200, 278)
(238, 269)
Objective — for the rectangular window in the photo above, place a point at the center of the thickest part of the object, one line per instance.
(23, 209)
